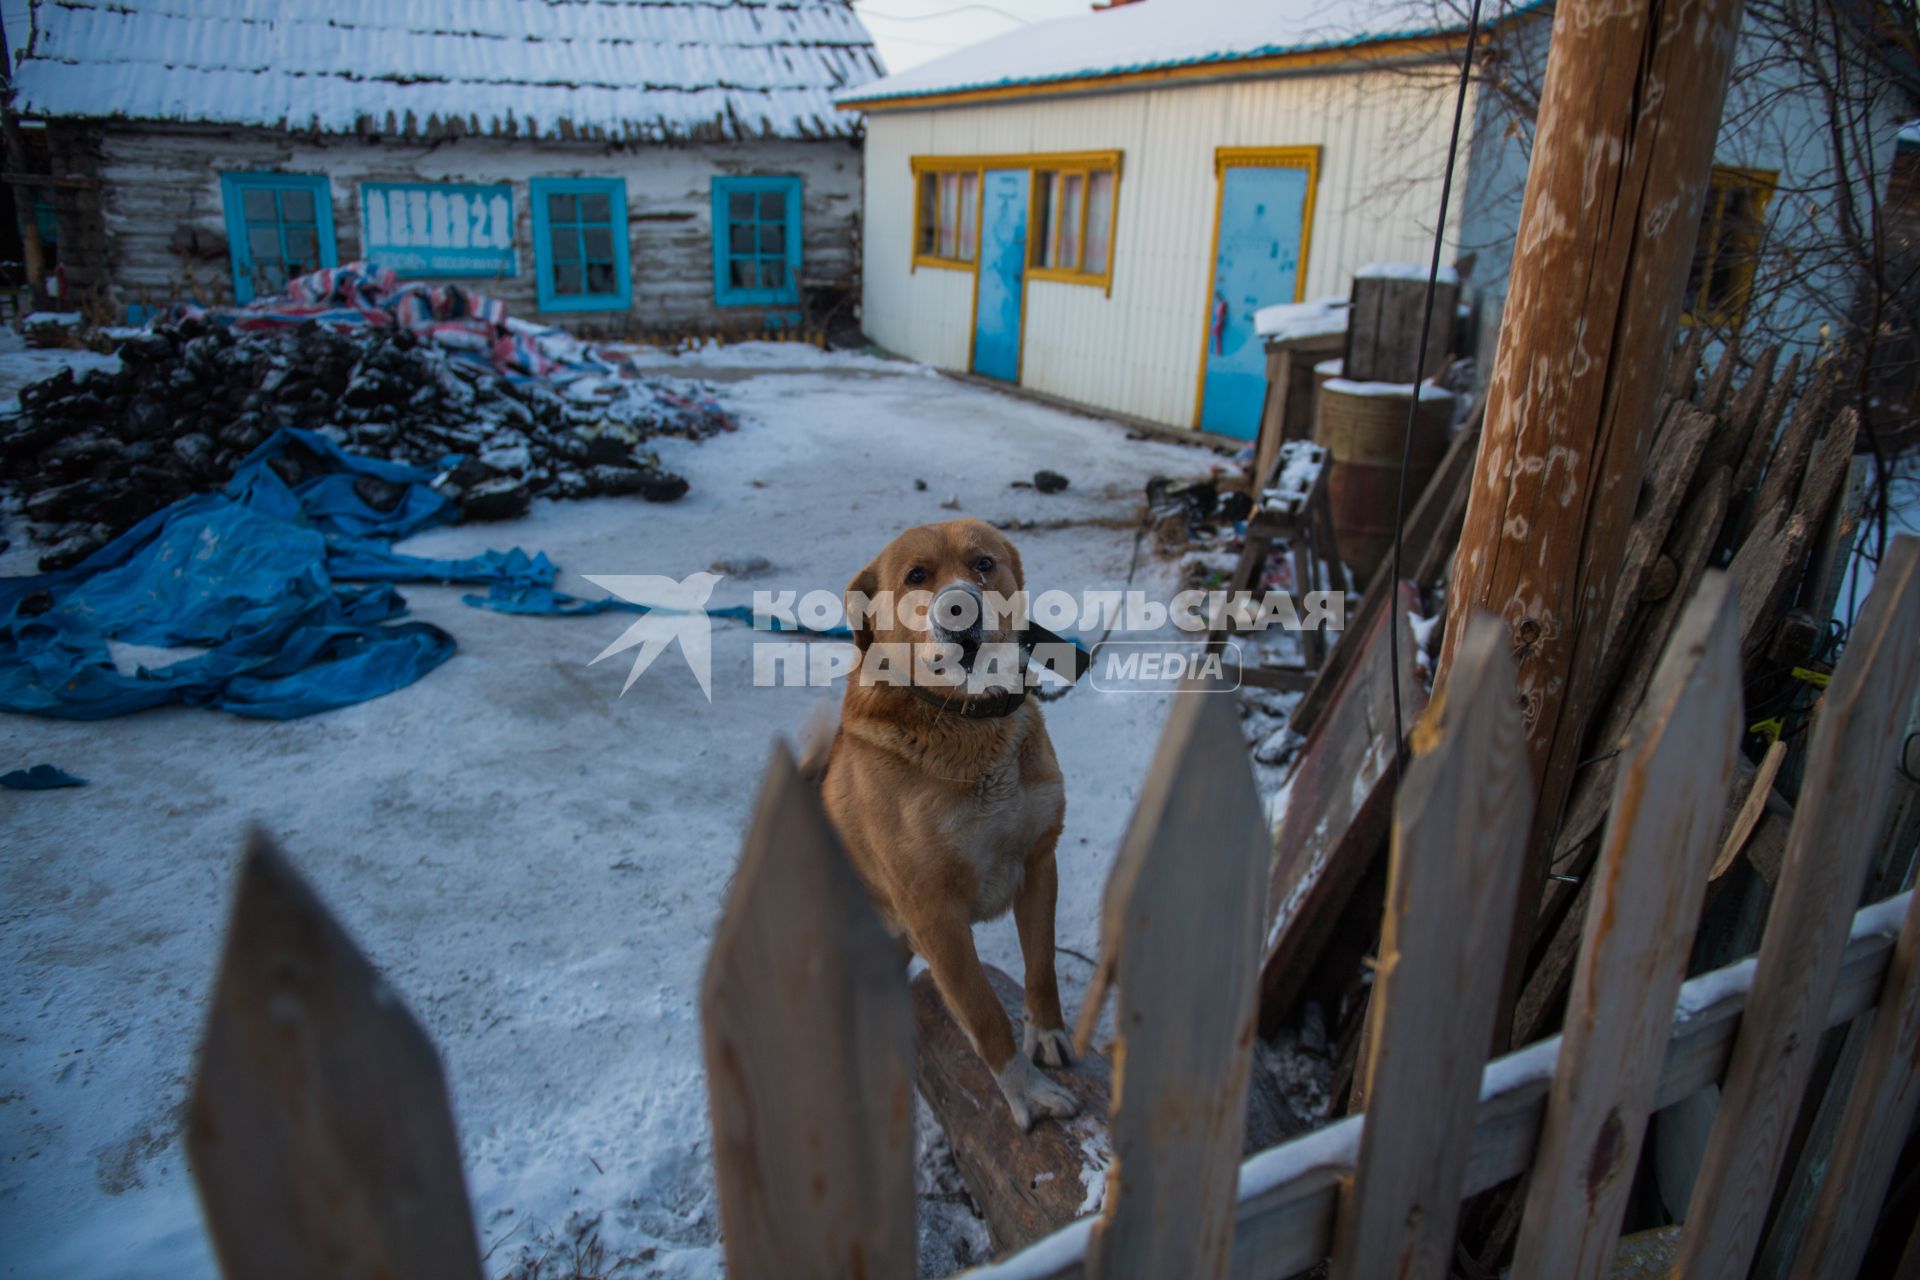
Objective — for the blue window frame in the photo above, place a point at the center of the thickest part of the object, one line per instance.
(756, 241)
(580, 244)
(279, 228)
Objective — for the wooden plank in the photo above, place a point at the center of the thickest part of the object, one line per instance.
(1284, 1222)
(1340, 806)
(1180, 934)
(1879, 1115)
(1742, 416)
(1840, 810)
(1383, 329)
(804, 1014)
(1459, 834)
(1750, 810)
(1030, 1184)
(1639, 930)
(1562, 909)
(318, 1131)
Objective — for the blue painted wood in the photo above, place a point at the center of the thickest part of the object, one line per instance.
(279, 228)
(1003, 272)
(756, 240)
(580, 244)
(1257, 264)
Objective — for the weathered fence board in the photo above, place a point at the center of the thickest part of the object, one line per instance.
(319, 1130)
(1340, 807)
(1459, 833)
(1878, 1117)
(1180, 935)
(1650, 878)
(809, 1057)
(1840, 811)
(1284, 1220)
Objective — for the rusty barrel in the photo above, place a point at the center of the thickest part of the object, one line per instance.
(1363, 426)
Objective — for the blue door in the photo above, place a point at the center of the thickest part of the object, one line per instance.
(1256, 264)
(1002, 275)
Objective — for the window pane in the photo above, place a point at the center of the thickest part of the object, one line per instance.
(562, 208)
(596, 209)
(773, 205)
(302, 244)
(1072, 196)
(773, 273)
(740, 238)
(600, 277)
(740, 206)
(742, 274)
(773, 238)
(599, 242)
(257, 204)
(263, 243)
(928, 211)
(563, 243)
(567, 278)
(969, 208)
(296, 204)
(1099, 221)
(949, 215)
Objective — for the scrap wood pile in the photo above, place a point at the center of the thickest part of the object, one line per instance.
(1748, 472)
(431, 377)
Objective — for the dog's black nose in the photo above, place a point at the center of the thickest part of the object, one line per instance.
(957, 615)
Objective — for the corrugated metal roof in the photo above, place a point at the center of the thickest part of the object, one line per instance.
(654, 70)
(1160, 35)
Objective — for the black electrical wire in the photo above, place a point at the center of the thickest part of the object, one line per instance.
(1413, 406)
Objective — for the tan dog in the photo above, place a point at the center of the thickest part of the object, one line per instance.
(949, 803)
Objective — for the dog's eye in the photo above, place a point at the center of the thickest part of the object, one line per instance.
(916, 576)
(984, 564)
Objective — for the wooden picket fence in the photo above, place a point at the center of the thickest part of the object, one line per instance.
(323, 1142)
(809, 1042)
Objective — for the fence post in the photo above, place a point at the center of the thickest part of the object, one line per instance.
(319, 1130)
(809, 1049)
(1180, 933)
(1648, 882)
(1459, 833)
(1841, 807)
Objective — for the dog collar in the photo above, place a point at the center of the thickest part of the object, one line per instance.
(1004, 703)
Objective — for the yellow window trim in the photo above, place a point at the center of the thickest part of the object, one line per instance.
(1225, 158)
(1084, 162)
(1762, 183)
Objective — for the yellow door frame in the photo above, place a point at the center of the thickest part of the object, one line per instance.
(1225, 158)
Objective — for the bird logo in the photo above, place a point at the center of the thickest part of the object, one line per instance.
(674, 610)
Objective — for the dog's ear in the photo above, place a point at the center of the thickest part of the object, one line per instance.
(860, 593)
(1013, 562)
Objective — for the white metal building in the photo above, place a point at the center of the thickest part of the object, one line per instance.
(1095, 207)
(1180, 169)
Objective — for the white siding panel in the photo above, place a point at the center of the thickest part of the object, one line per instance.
(1382, 135)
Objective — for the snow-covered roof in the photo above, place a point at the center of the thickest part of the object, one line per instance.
(651, 70)
(1158, 36)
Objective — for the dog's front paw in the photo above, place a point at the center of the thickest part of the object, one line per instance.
(1031, 1095)
(1048, 1046)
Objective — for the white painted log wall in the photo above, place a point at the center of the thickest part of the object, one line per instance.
(155, 180)
(1382, 135)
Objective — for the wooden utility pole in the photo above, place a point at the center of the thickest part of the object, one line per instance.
(1624, 143)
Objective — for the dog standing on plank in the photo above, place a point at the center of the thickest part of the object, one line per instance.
(948, 797)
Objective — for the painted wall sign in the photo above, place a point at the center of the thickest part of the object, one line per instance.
(438, 229)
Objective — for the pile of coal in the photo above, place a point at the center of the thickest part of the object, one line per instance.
(89, 456)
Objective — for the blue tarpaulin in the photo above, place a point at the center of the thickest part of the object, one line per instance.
(287, 588)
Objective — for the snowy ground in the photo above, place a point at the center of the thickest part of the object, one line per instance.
(535, 861)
